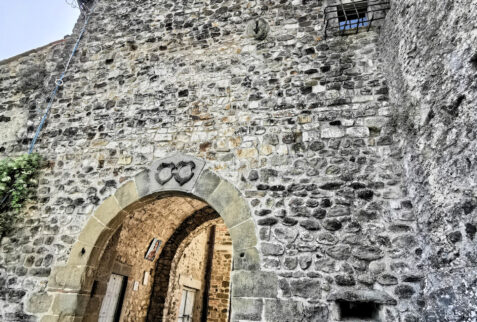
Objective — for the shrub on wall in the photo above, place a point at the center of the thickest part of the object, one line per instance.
(17, 180)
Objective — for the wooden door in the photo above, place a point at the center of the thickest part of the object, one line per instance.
(111, 305)
(186, 309)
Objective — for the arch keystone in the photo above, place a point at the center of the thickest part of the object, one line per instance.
(178, 172)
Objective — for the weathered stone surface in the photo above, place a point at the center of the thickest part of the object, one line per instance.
(246, 309)
(206, 184)
(387, 279)
(307, 288)
(285, 235)
(39, 303)
(108, 210)
(369, 253)
(404, 291)
(244, 235)
(335, 143)
(270, 249)
(345, 280)
(341, 252)
(126, 194)
(254, 284)
(69, 304)
(326, 238)
(276, 310)
(247, 259)
(373, 296)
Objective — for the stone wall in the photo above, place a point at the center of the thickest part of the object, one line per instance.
(429, 53)
(301, 126)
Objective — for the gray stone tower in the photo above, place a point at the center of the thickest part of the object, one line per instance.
(335, 139)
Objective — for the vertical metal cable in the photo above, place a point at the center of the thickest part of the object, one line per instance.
(59, 83)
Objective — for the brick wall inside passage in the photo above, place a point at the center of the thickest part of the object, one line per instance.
(190, 267)
(220, 279)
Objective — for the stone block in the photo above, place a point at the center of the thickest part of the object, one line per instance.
(127, 194)
(63, 318)
(254, 284)
(92, 234)
(246, 309)
(108, 209)
(294, 311)
(206, 184)
(71, 278)
(243, 235)
(223, 196)
(376, 121)
(83, 254)
(39, 303)
(332, 132)
(368, 253)
(306, 288)
(271, 249)
(237, 212)
(247, 259)
(143, 184)
(69, 304)
(277, 310)
(357, 132)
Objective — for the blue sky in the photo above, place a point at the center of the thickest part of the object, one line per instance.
(28, 24)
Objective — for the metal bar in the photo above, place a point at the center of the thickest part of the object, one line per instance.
(370, 21)
(346, 17)
(357, 16)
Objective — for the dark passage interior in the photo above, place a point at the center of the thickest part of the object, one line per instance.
(352, 311)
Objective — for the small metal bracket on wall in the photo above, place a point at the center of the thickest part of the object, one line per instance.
(85, 5)
(351, 17)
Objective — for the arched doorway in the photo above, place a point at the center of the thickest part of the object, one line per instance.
(167, 261)
(178, 176)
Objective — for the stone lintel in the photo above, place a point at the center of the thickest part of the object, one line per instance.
(373, 296)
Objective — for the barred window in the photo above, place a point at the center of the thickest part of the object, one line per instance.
(347, 17)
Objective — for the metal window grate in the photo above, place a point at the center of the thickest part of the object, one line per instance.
(354, 16)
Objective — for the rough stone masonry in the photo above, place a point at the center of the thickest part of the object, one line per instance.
(355, 154)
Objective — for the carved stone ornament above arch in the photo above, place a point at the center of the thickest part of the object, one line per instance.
(70, 285)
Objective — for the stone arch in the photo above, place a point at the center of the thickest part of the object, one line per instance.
(69, 285)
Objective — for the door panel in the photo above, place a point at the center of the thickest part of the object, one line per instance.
(111, 299)
(186, 309)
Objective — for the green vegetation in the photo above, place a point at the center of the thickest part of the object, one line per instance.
(17, 181)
